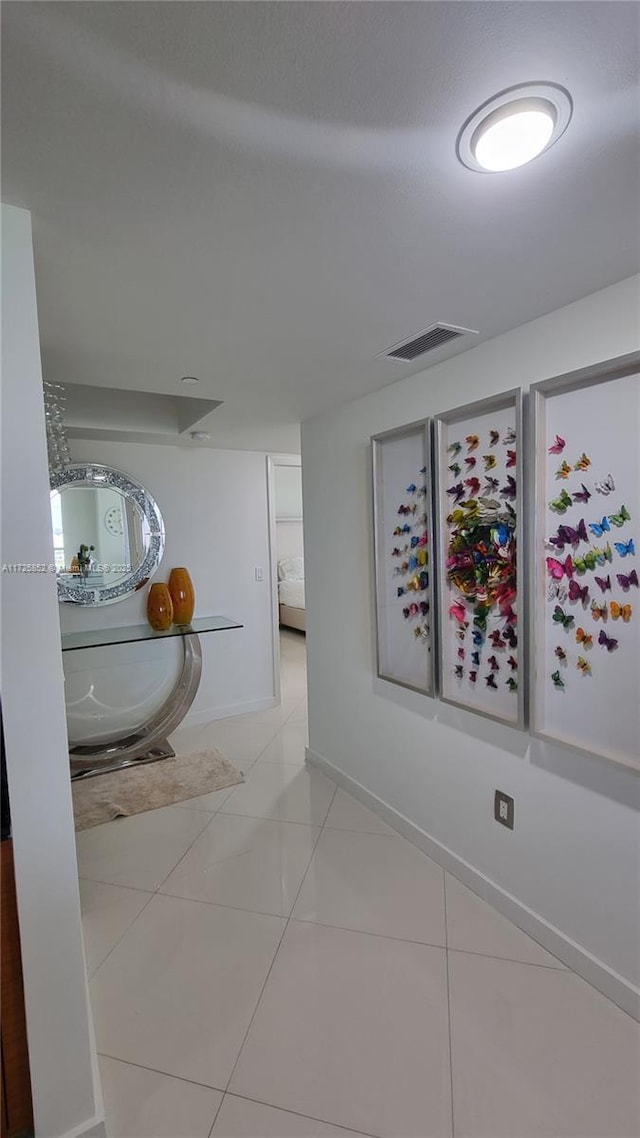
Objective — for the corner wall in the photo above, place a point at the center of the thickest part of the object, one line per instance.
(66, 1095)
(573, 859)
(214, 505)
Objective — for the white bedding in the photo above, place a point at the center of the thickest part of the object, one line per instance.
(291, 593)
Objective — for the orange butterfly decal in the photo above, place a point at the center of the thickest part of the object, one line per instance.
(620, 612)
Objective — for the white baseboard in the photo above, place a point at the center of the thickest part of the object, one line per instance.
(194, 719)
(622, 992)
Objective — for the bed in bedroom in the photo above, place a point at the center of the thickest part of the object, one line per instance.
(291, 593)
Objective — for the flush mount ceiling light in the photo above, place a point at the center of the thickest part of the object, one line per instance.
(514, 127)
(189, 379)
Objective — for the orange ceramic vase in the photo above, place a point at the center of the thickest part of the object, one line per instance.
(159, 608)
(182, 595)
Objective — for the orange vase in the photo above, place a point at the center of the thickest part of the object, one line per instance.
(182, 595)
(159, 607)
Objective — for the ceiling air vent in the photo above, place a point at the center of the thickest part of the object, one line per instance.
(434, 337)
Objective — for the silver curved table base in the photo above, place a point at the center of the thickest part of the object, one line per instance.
(149, 742)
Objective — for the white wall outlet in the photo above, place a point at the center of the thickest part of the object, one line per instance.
(259, 572)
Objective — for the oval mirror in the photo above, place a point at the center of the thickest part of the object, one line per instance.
(108, 534)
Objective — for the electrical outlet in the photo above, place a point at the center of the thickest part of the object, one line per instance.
(503, 809)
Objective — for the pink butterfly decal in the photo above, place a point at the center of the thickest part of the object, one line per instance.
(558, 446)
(511, 458)
(557, 569)
(473, 484)
(458, 612)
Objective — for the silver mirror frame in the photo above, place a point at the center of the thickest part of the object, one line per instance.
(94, 474)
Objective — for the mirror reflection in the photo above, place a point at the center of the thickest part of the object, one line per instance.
(108, 534)
(99, 535)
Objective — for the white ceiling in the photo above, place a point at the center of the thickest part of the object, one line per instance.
(266, 195)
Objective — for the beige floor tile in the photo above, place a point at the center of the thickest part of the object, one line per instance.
(107, 912)
(347, 813)
(474, 926)
(353, 1029)
(249, 863)
(145, 1104)
(141, 850)
(240, 1118)
(537, 1053)
(283, 791)
(374, 883)
(177, 993)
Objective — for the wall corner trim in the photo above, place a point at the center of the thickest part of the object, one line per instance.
(615, 987)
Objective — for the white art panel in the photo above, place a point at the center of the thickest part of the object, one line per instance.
(478, 471)
(403, 550)
(586, 649)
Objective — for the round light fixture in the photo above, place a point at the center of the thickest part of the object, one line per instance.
(514, 127)
(189, 379)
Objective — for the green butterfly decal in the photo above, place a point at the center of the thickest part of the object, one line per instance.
(512, 684)
(602, 555)
(558, 681)
(621, 518)
(561, 617)
(481, 613)
(455, 469)
(561, 504)
(589, 561)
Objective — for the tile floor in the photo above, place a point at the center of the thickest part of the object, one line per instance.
(273, 961)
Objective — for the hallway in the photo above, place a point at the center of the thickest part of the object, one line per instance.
(273, 961)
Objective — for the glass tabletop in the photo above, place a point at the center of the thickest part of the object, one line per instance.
(100, 637)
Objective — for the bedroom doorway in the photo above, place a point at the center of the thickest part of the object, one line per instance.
(284, 486)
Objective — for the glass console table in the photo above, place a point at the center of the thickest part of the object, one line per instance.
(149, 741)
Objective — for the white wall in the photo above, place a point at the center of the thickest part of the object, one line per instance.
(574, 856)
(289, 540)
(66, 1096)
(214, 505)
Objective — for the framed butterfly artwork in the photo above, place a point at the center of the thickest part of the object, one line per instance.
(478, 480)
(403, 555)
(584, 500)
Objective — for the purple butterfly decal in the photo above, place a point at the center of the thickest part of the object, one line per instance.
(424, 608)
(509, 491)
(513, 663)
(626, 580)
(456, 492)
(509, 634)
(578, 592)
(459, 670)
(470, 462)
(491, 485)
(461, 653)
(582, 495)
(496, 639)
(607, 641)
(604, 583)
(491, 681)
(493, 664)
(473, 677)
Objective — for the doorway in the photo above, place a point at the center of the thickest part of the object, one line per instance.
(284, 487)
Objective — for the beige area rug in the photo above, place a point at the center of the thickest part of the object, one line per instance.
(149, 786)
